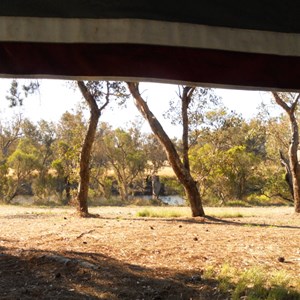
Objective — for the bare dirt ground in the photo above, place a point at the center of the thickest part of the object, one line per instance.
(52, 254)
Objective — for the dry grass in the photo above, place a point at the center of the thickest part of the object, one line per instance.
(50, 253)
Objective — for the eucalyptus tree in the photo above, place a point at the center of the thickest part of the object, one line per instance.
(277, 179)
(70, 132)
(156, 155)
(289, 102)
(97, 95)
(127, 158)
(43, 136)
(24, 162)
(10, 134)
(226, 155)
(180, 166)
(100, 174)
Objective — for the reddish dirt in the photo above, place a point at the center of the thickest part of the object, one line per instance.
(52, 254)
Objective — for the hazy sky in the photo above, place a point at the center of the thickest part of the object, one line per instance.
(56, 97)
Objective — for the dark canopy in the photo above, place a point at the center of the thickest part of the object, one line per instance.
(253, 44)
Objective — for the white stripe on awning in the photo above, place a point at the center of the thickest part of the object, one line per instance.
(149, 32)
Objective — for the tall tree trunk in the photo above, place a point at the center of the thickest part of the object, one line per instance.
(294, 164)
(293, 149)
(85, 157)
(186, 100)
(86, 150)
(181, 172)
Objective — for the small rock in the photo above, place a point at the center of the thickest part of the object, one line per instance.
(151, 227)
(281, 259)
(58, 275)
(180, 226)
(195, 238)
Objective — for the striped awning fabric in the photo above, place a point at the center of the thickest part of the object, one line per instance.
(253, 44)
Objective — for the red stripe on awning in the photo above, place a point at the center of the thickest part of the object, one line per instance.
(158, 63)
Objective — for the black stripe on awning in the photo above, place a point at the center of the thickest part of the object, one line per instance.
(269, 15)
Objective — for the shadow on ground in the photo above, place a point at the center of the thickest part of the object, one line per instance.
(76, 275)
(34, 274)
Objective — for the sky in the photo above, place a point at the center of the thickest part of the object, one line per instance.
(56, 96)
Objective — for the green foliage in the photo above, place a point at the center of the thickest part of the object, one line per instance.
(203, 100)
(4, 181)
(126, 158)
(45, 186)
(254, 283)
(106, 187)
(172, 186)
(155, 153)
(24, 160)
(223, 174)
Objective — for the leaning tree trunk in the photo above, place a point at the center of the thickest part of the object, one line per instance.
(181, 172)
(293, 149)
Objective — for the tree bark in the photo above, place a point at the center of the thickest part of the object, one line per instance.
(293, 149)
(181, 172)
(294, 164)
(186, 100)
(85, 155)
(86, 150)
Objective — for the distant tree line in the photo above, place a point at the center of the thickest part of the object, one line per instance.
(43, 159)
(230, 158)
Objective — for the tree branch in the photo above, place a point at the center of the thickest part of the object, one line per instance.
(88, 97)
(280, 102)
(294, 105)
(106, 98)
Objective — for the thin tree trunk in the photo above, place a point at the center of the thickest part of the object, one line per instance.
(85, 157)
(185, 100)
(181, 172)
(84, 173)
(86, 150)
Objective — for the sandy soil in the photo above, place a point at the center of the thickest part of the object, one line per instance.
(52, 254)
